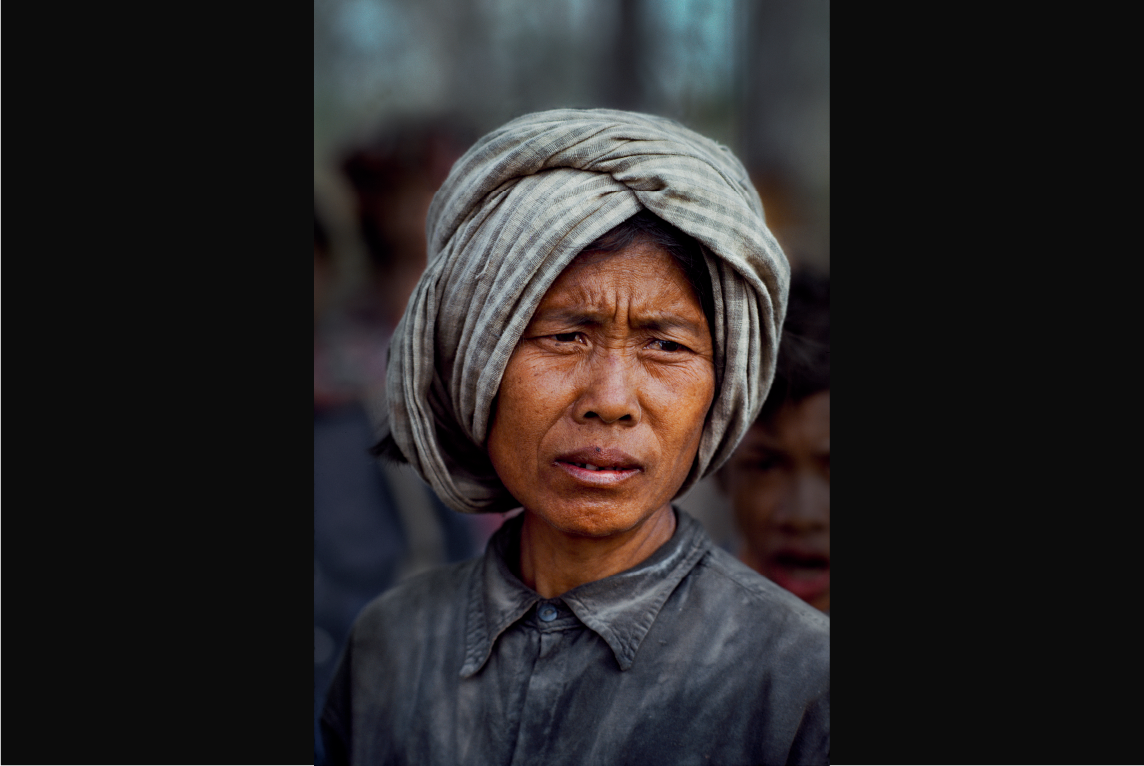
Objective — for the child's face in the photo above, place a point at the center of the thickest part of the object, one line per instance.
(779, 482)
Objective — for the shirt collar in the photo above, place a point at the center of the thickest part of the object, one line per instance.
(620, 608)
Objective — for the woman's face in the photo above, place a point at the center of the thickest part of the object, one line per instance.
(603, 402)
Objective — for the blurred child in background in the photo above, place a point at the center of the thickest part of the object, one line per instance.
(778, 479)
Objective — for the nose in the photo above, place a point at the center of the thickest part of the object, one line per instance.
(610, 392)
(806, 506)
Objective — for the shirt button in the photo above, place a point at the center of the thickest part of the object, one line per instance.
(548, 613)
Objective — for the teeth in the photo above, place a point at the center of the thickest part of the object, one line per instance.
(590, 467)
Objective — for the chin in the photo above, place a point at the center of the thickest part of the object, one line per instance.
(596, 520)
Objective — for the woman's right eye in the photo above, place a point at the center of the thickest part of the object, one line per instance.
(566, 337)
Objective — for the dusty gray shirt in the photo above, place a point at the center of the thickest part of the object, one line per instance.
(687, 658)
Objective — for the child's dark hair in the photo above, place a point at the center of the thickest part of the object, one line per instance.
(803, 366)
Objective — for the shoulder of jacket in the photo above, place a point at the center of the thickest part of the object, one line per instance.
(764, 593)
(432, 589)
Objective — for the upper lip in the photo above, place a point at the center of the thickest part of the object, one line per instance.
(601, 458)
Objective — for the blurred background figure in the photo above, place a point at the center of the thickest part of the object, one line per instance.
(778, 480)
(394, 176)
(373, 523)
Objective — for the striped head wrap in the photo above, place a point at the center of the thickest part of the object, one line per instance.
(513, 212)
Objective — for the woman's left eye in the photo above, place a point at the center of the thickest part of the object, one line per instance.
(667, 345)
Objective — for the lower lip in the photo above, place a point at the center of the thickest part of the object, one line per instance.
(805, 584)
(597, 478)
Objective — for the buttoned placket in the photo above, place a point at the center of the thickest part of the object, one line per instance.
(552, 624)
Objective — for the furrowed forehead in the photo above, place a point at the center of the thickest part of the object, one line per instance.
(641, 285)
(639, 273)
(650, 319)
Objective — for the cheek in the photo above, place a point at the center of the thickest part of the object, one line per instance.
(754, 498)
(529, 397)
(824, 500)
(681, 402)
(527, 405)
(509, 451)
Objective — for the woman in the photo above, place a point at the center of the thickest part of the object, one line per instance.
(595, 330)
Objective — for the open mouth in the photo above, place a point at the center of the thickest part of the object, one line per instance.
(598, 466)
(597, 474)
(806, 575)
(590, 467)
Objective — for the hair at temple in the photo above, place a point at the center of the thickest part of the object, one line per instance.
(646, 226)
(803, 366)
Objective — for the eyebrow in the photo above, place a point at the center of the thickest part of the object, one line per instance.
(655, 322)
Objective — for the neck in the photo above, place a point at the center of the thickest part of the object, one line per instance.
(553, 562)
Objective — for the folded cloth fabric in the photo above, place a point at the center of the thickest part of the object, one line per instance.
(513, 212)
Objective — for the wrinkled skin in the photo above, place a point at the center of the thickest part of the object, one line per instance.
(779, 483)
(600, 412)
